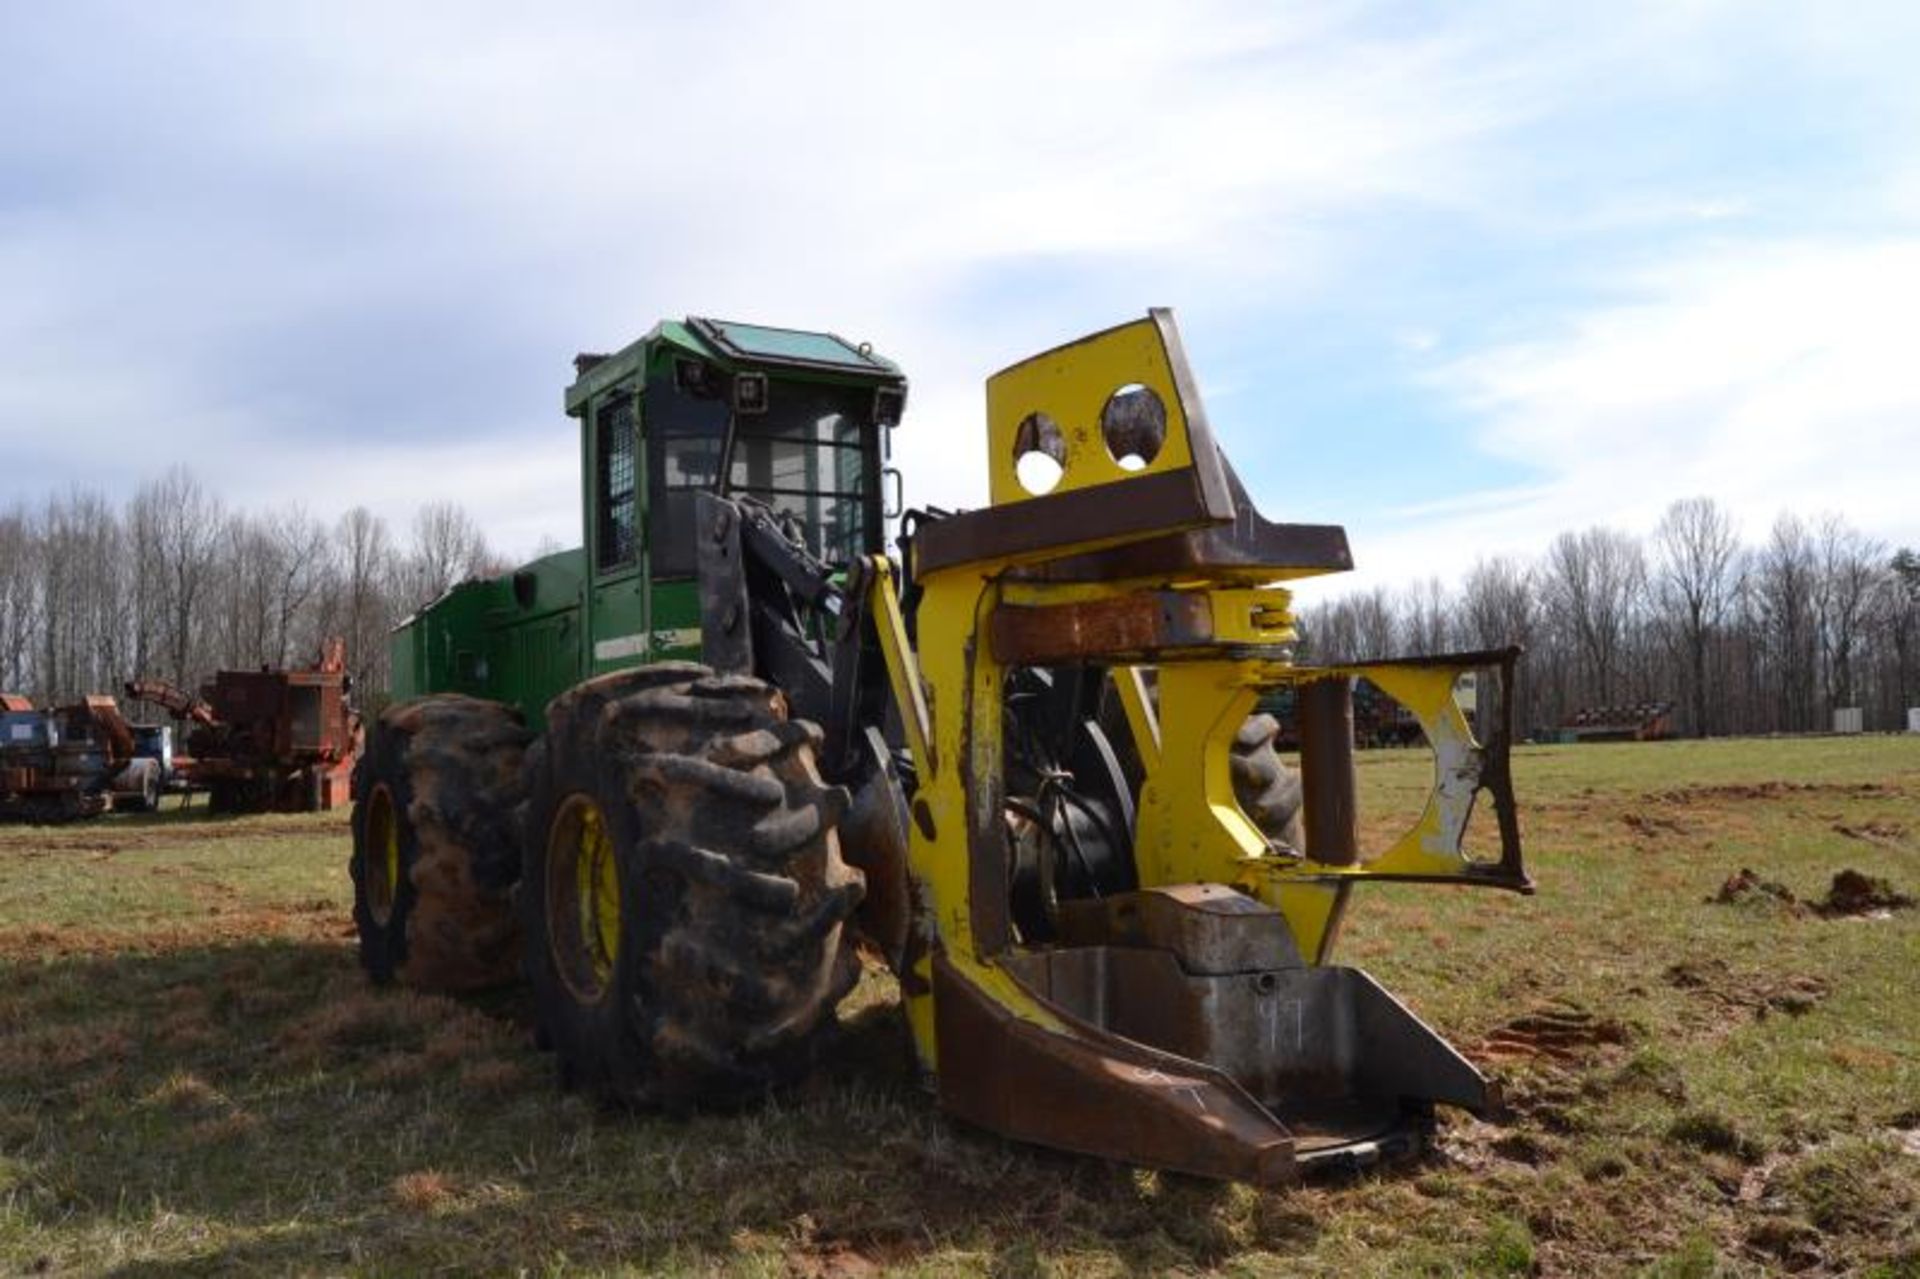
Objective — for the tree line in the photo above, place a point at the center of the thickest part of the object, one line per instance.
(1760, 637)
(1763, 637)
(175, 583)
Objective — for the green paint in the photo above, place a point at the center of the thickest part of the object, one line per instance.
(525, 637)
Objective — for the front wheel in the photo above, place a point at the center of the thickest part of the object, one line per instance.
(682, 893)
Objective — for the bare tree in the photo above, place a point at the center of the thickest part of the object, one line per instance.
(19, 600)
(1375, 630)
(1594, 584)
(1696, 543)
(1850, 565)
(147, 576)
(1498, 610)
(187, 536)
(448, 547)
(1497, 604)
(1788, 569)
(246, 567)
(1898, 609)
(1429, 618)
(300, 544)
(366, 612)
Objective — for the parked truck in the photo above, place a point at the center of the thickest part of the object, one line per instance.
(71, 761)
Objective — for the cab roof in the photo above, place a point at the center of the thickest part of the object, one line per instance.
(734, 345)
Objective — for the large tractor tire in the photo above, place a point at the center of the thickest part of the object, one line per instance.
(683, 895)
(1268, 791)
(436, 846)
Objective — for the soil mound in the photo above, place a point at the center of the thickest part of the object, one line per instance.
(1853, 893)
(1747, 888)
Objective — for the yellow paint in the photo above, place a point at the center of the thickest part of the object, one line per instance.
(583, 898)
(1190, 828)
(1142, 723)
(597, 876)
(383, 840)
(902, 676)
(1071, 385)
(1252, 615)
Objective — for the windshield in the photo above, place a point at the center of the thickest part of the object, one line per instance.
(806, 457)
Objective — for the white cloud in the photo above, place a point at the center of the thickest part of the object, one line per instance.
(891, 173)
(436, 205)
(1765, 374)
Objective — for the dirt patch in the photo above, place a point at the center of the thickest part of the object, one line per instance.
(1556, 1031)
(1707, 794)
(1852, 895)
(1652, 825)
(1716, 982)
(239, 927)
(92, 850)
(1855, 894)
(1873, 832)
(1746, 888)
(424, 1191)
(831, 1260)
(117, 838)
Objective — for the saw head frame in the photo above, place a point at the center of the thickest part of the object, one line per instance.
(1193, 1022)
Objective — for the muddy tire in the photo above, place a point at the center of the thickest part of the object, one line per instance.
(1268, 791)
(436, 847)
(683, 895)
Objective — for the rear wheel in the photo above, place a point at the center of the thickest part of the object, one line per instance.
(435, 843)
(683, 893)
(1268, 791)
(138, 788)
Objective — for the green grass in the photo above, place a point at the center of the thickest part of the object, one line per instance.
(196, 1080)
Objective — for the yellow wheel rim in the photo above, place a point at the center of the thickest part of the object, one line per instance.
(380, 855)
(583, 898)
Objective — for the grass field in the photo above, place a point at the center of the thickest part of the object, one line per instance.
(193, 1077)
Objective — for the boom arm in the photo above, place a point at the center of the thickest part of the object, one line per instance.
(175, 701)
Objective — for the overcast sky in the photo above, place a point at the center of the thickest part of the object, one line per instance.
(1456, 276)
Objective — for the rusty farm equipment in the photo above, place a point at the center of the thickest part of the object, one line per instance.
(670, 775)
(265, 740)
(72, 761)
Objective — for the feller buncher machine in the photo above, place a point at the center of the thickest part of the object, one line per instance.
(672, 775)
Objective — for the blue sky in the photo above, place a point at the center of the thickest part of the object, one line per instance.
(1457, 277)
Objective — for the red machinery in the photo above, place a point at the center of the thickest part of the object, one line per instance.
(70, 761)
(267, 740)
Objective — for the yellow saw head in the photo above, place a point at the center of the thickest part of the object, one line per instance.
(1107, 951)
